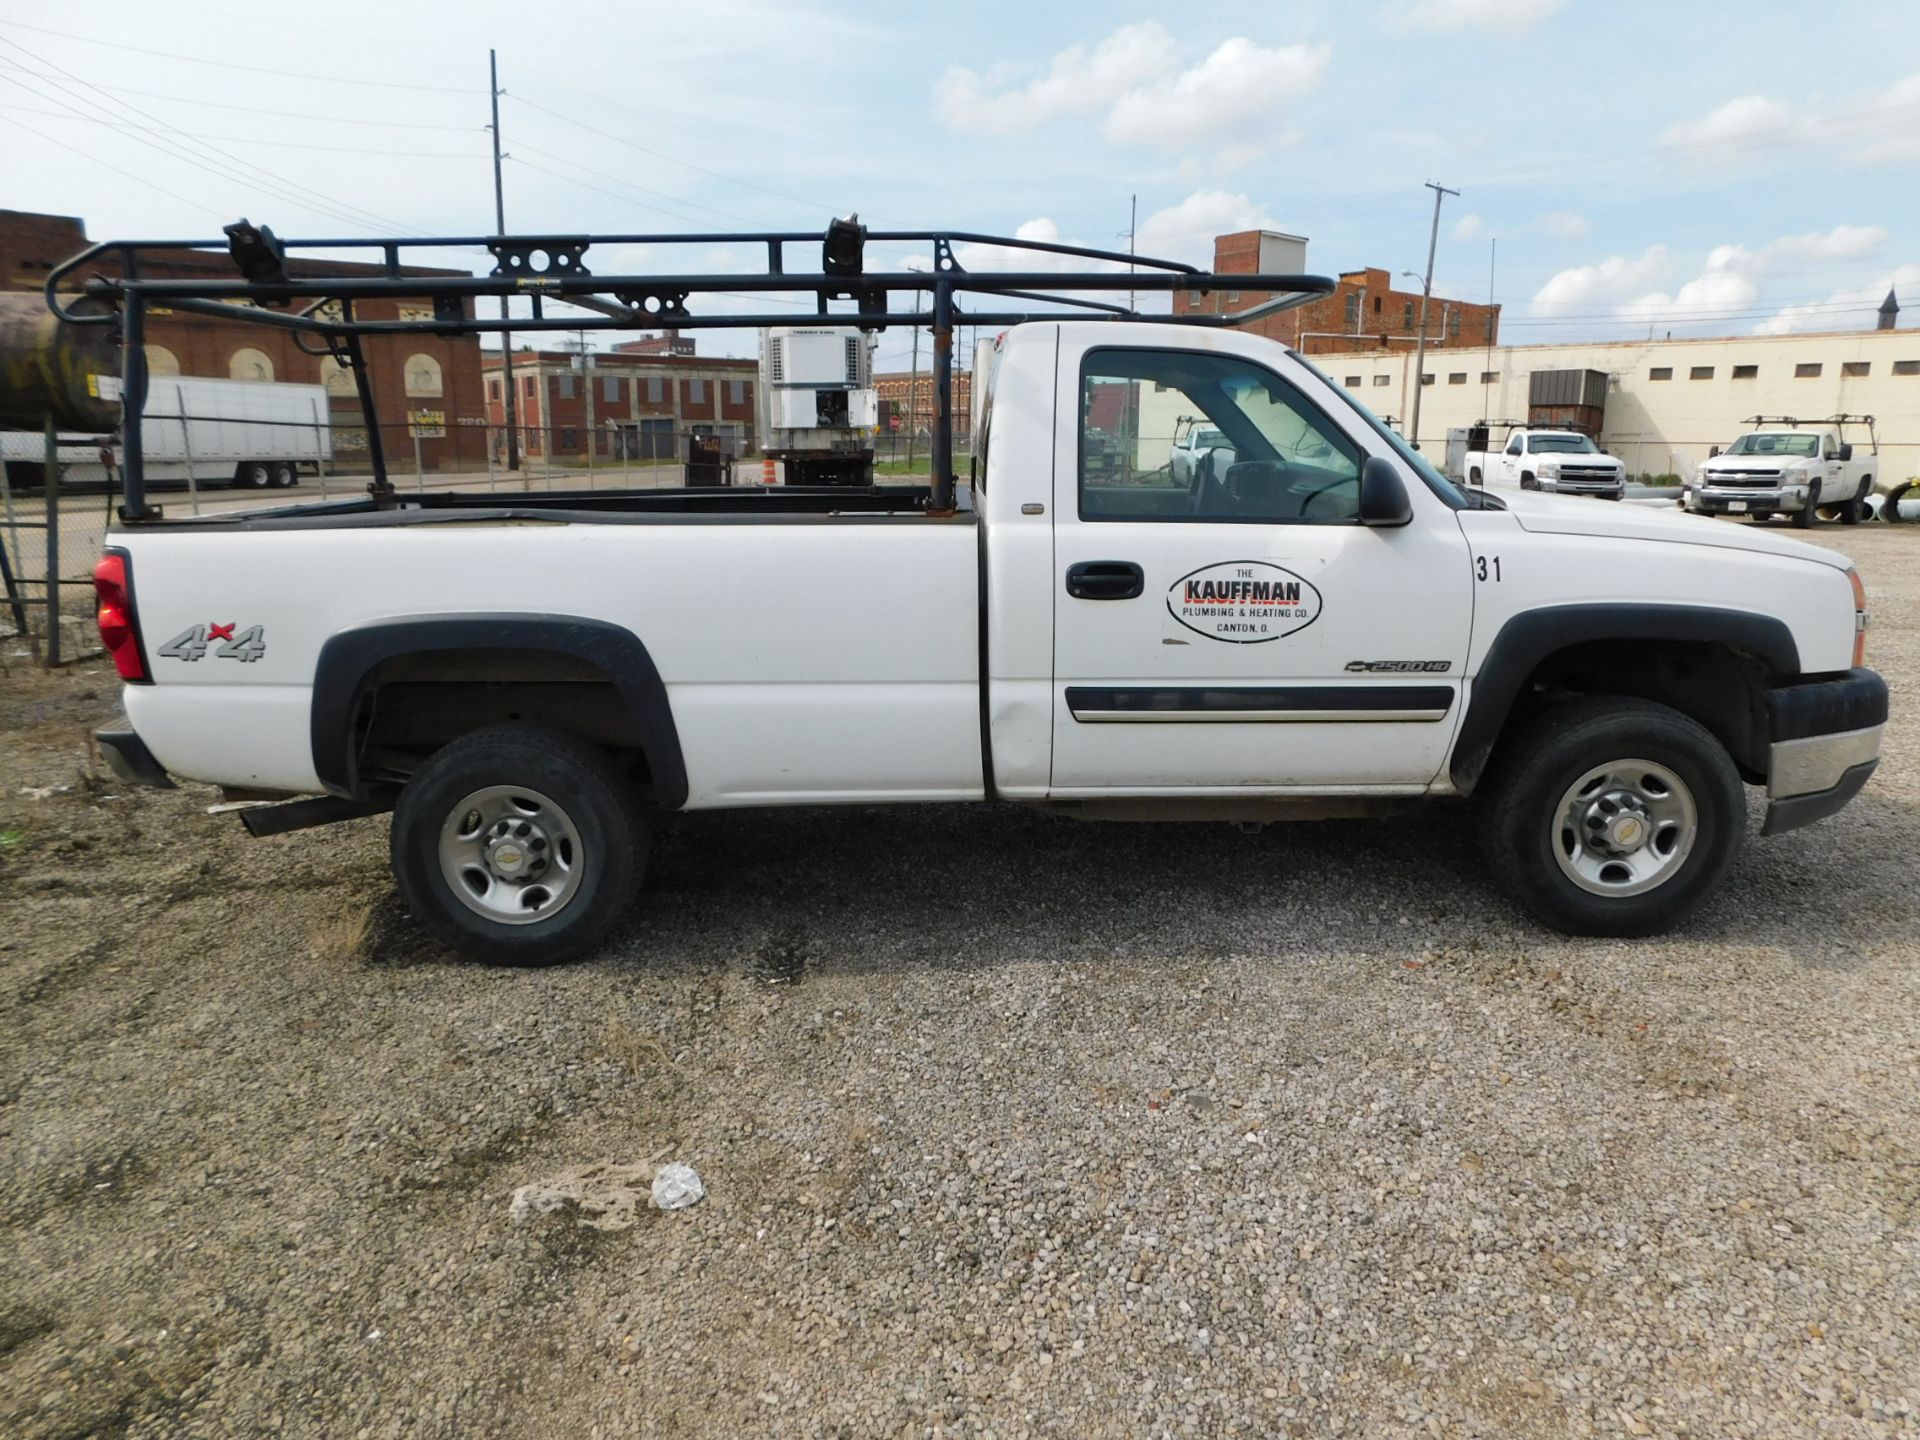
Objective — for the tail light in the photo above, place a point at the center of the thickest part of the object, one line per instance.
(1859, 618)
(119, 630)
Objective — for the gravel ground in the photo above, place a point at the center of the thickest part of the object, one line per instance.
(1009, 1126)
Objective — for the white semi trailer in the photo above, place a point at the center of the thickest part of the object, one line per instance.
(215, 432)
(819, 413)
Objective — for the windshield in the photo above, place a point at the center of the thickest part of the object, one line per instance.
(1561, 445)
(1792, 443)
(1422, 467)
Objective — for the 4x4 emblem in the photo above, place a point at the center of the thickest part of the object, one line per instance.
(191, 644)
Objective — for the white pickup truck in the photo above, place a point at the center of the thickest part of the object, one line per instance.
(1326, 626)
(1784, 470)
(1561, 462)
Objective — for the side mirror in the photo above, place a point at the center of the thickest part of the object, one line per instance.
(1846, 452)
(1712, 450)
(1383, 496)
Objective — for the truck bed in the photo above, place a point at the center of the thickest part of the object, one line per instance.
(811, 652)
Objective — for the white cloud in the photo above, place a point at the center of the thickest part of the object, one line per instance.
(1612, 281)
(1478, 14)
(1469, 227)
(1078, 81)
(1740, 119)
(1237, 90)
(1564, 223)
(1185, 231)
(1234, 94)
(1845, 309)
(1732, 279)
(1884, 129)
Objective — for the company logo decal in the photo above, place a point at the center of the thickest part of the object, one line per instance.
(1399, 667)
(1243, 602)
(233, 643)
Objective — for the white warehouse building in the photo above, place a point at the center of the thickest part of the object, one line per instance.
(1667, 401)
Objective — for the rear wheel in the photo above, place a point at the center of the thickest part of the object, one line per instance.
(518, 845)
(1613, 816)
(284, 475)
(252, 473)
(1473, 475)
(1855, 510)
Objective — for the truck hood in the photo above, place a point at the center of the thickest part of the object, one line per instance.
(1567, 515)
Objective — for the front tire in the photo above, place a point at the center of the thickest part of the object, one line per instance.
(1613, 816)
(1527, 482)
(1803, 518)
(518, 845)
(252, 474)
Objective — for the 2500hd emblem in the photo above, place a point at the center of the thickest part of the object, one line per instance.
(191, 644)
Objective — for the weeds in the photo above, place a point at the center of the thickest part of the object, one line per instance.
(342, 939)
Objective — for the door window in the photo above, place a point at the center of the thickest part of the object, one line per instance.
(1276, 458)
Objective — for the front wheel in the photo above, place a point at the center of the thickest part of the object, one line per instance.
(518, 845)
(1613, 816)
(253, 474)
(1527, 482)
(1803, 517)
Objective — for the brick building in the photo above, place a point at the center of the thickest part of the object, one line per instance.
(667, 342)
(411, 373)
(636, 406)
(900, 395)
(1365, 311)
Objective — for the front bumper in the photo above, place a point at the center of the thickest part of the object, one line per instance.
(1746, 499)
(1825, 745)
(128, 757)
(1603, 490)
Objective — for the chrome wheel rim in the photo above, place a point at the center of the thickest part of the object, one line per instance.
(1624, 828)
(511, 855)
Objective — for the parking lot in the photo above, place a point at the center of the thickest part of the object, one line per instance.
(1009, 1126)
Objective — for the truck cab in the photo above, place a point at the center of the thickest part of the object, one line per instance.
(1782, 468)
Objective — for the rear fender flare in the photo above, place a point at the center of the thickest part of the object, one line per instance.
(1530, 637)
(349, 658)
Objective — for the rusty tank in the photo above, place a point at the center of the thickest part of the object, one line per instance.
(51, 368)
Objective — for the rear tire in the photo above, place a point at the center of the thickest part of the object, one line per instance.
(285, 476)
(518, 845)
(1473, 476)
(1855, 510)
(1612, 816)
(252, 474)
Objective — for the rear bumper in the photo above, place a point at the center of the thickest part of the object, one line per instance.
(128, 757)
(1825, 744)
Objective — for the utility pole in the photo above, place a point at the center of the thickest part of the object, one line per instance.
(913, 390)
(1440, 192)
(1133, 230)
(500, 228)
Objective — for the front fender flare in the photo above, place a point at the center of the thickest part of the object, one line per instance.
(350, 657)
(1531, 636)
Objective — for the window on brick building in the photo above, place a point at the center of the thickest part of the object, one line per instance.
(162, 361)
(1353, 309)
(1453, 325)
(1660, 372)
(1700, 372)
(696, 392)
(493, 389)
(736, 392)
(247, 363)
(422, 375)
(1807, 370)
(610, 388)
(1193, 299)
(1456, 377)
(1406, 321)
(1855, 369)
(1376, 304)
(566, 386)
(656, 390)
(527, 387)
(1746, 372)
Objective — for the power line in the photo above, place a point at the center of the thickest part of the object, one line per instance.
(236, 65)
(575, 164)
(286, 190)
(258, 109)
(601, 190)
(670, 159)
(108, 165)
(254, 140)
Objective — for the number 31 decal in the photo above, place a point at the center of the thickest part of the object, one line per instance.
(249, 645)
(1486, 567)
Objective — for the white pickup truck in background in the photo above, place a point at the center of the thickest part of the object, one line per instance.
(1325, 626)
(1562, 462)
(1783, 469)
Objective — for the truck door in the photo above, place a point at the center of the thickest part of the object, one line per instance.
(1241, 632)
(1510, 459)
